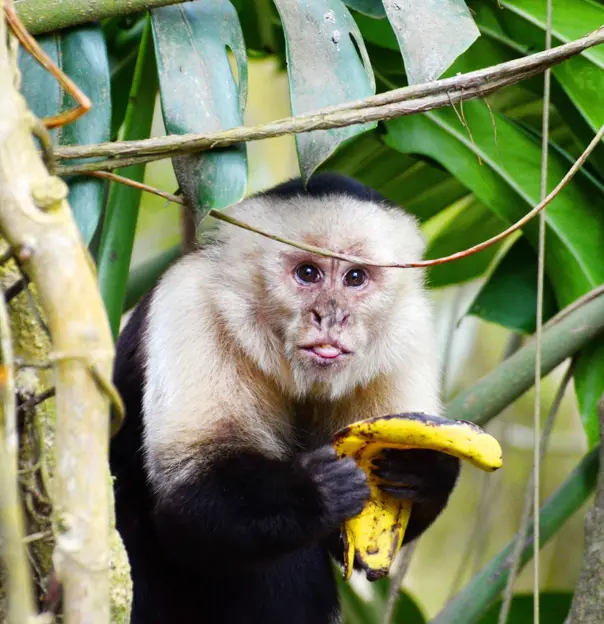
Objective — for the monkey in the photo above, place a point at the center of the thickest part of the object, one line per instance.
(236, 370)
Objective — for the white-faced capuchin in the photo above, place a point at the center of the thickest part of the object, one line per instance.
(236, 371)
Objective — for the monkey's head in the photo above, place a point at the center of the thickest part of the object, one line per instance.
(322, 326)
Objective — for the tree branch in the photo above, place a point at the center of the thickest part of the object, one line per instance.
(563, 336)
(588, 602)
(221, 216)
(36, 221)
(395, 103)
(42, 16)
(20, 596)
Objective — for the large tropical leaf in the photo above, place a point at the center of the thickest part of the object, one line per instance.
(553, 609)
(423, 188)
(521, 27)
(82, 55)
(327, 65)
(506, 178)
(431, 34)
(199, 93)
(509, 296)
(462, 225)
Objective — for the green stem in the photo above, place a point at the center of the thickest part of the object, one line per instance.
(514, 376)
(469, 604)
(119, 226)
(42, 16)
(142, 279)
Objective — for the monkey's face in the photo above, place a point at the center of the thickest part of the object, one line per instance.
(330, 317)
(319, 325)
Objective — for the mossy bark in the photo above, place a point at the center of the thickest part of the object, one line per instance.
(64, 460)
(588, 602)
(32, 344)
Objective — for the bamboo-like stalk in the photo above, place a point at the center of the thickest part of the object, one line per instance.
(36, 220)
(20, 595)
(573, 328)
(42, 16)
(469, 604)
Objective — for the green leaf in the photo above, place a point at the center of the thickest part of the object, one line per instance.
(553, 609)
(509, 297)
(462, 225)
(588, 379)
(39, 87)
(570, 20)
(581, 77)
(354, 609)
(508, 182)
(123, 36)
(431, 34)
(82, 55)
(119, 225)
(260, 26)
(406, 609)
(324, 69)
(373, 8)
(420, 187)
(507, 179)
(84, 59)
(199, 93)
(378, 32)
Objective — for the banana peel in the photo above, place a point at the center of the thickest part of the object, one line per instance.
(375, 536)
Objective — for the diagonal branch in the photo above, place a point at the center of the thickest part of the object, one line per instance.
(395, 103)
(43, 16)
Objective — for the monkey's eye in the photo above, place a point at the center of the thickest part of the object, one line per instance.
(355, 278)
(308, 274)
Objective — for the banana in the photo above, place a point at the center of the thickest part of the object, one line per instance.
(376, 534)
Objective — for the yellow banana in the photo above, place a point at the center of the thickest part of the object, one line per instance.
(376, 534)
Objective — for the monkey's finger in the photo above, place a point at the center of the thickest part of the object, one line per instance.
(401, 477)
(344, 468)
(323, 454)
(402, 492)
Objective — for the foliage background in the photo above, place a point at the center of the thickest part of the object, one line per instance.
(466, 174)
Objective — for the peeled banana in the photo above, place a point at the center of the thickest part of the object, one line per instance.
(376, 534)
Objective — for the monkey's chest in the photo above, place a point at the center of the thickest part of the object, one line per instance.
(314, 425)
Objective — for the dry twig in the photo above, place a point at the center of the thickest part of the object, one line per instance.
(395, 103)
(366, 261)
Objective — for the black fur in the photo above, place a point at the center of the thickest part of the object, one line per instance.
(324, 184)
(248, 541)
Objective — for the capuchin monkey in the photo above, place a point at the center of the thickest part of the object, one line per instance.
(236, 371)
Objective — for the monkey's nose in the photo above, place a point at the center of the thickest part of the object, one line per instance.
(329, 320)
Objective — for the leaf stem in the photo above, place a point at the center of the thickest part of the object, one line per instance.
(42, 16)
(119, 225)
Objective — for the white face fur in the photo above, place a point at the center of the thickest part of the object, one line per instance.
(319, 326)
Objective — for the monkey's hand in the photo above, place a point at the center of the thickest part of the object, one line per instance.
(342, 486)
(403, 481)
(422, 476)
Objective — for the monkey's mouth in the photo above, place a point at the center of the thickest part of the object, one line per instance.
(325, 352)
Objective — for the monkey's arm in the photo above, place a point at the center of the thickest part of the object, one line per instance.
(246, 507)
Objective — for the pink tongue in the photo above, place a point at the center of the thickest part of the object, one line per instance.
(327, 351)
